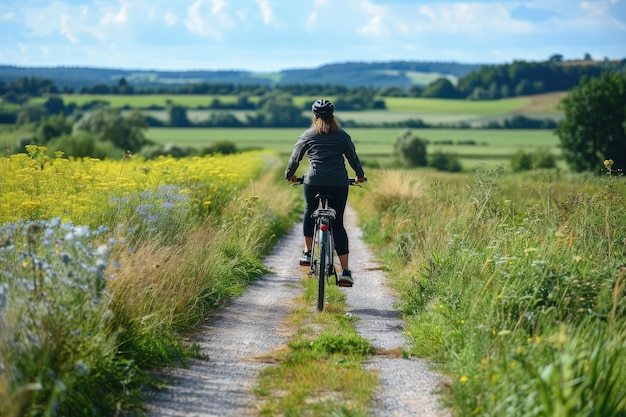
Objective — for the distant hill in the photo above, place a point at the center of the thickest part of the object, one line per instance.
(402, 74)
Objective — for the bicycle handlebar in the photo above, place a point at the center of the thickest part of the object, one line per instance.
(352, 181)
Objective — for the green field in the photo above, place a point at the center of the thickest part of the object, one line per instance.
(398, 109)
(443, 106)
(142, 101)
(375, 145)
(393, 104)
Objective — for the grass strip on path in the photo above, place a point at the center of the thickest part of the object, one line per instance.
(320, 372)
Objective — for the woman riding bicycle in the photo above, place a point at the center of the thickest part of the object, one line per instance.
(327, 144)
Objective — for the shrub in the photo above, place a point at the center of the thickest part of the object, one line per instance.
(540, 159)
(223, 147)
(443, 161)
(82, 144)
(521, 161)
(411, 150)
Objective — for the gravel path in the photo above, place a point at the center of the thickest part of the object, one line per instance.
(407, 385)
(250, 326)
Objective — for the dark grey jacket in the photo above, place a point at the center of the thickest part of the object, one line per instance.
(326, 158)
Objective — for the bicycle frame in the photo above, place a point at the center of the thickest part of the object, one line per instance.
(322, 252)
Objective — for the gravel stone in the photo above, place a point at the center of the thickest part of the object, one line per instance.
(250, 327)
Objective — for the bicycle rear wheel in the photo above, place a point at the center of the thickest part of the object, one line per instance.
(321, 278)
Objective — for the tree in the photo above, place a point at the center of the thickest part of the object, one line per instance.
(110, 125)
(54, 105)
(52, 127)
(556, 58)
(178, 116)
(592, 129)
(411, 150)
(521, 161)
(441, 88)
(392, 91)
(31, 114)
(444, 161)
(278, 110)
(416, 91)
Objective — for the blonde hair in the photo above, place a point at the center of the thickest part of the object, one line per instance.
(325, 125)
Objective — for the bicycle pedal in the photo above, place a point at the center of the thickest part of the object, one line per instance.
(303, 263)
(344, 284)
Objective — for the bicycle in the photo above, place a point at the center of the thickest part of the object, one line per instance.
(322, 251)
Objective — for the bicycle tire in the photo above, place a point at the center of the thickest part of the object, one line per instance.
(322, 272)
(331, 254)
(315, 251)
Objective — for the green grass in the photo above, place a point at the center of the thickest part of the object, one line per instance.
(511, 283)
(142, 101)
(426, 78)
(366, 138)
(73, 347)
(4, 106)
(394, 104)
(9, 136)
(443, 106)
(430, 111)
(320, 371)
(375, 144)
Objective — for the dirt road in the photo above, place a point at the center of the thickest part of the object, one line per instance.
(250, 326)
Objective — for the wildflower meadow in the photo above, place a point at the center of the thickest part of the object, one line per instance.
(514, 285)
(89, 249)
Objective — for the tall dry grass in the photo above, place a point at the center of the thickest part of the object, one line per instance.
(164, 290)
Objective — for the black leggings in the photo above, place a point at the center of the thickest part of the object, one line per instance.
(338, 202)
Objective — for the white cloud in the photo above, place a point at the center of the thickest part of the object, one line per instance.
(375, 27)
(266, 11)
(594, 9)
(314, 15)
(428, 12)
(212, 23)
(598, 10)
(7, 16)
(118, 18)
(268, 16)
(288, 33)
(312, 20)
(377, 24)
(218, 5)
(65, 28)
(170, 18)
(194, 22)
(469, 19)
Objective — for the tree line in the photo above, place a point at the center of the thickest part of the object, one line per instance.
(592, 134)
(594, 127)
(488, 82)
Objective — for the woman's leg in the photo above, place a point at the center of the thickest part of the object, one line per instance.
(340, 198)
(308, 224)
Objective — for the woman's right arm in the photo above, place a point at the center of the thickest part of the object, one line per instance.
(297, 154)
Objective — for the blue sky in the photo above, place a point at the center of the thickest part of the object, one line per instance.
(271, 35)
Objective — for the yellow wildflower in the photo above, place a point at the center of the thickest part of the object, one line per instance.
(30, 205)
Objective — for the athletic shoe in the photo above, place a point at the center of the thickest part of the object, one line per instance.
(345, 279)
(305, 259)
